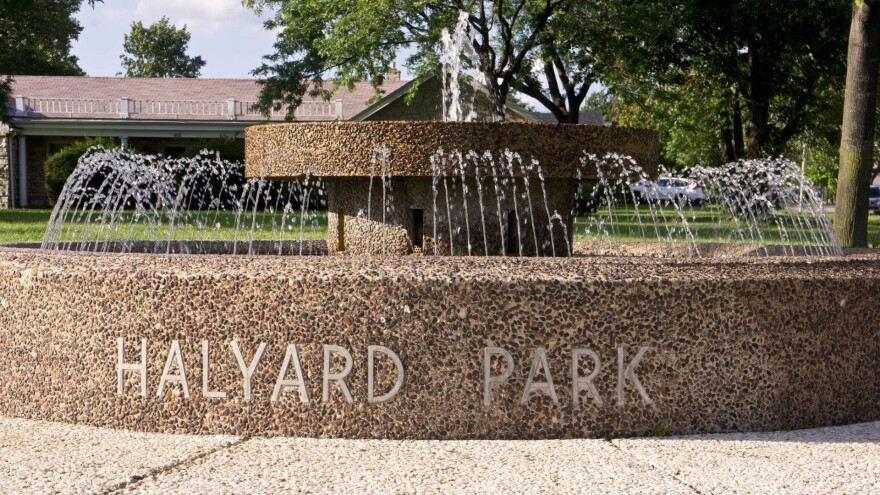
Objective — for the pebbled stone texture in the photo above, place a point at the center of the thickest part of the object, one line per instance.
(734, 345)
(344, 149)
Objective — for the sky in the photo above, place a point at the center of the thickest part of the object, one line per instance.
(229, 37)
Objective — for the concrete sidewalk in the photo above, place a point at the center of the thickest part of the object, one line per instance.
(39, 457)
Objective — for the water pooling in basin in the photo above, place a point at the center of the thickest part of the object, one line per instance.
(482, 203)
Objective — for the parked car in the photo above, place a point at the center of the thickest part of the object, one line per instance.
(874, 200)
(669, 189)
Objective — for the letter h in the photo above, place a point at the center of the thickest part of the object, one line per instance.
(122, 367)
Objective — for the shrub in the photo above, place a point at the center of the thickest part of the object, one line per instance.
(60, 165)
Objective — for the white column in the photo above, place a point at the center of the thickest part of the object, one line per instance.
(22, 172)
(230, 108)
(124, 108)
(20, 106)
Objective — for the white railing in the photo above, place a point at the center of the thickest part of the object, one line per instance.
(230, 109)
(70, 107)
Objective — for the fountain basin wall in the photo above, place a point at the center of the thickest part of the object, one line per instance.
(760, 344)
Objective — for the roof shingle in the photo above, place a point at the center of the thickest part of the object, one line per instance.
(153, 90)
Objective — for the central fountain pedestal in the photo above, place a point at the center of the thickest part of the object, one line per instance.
(483, 223)
(446, 188)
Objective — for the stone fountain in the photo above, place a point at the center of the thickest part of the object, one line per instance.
(164, 334)
(406, 220)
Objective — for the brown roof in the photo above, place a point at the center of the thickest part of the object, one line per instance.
(163, 99)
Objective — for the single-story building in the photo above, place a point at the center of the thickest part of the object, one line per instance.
(171, 117)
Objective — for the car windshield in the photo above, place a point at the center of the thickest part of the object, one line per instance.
(875, 192)
(663, 182)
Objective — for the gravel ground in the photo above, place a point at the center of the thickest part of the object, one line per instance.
(40, 457)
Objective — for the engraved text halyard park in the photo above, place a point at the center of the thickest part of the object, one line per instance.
(291, 379)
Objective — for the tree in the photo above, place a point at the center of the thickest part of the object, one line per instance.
(353, 41)
(159, 50)
(568, 57)
(603, 102)
(859, 122)
(37, 36)
(769, 59)
(690, 118)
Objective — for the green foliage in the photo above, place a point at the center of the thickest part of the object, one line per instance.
(776, 58)
(660, 431)
(819, 156)
(60, 165)
(687, 116)
(603, 102)
(323, 45)
(35, 39)
(159, 50)
(229, 149)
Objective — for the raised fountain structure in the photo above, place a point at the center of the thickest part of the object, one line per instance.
(433, 187)
(262, 341)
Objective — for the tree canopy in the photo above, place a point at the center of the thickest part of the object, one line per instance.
(159, 50)
(37, 36)
(346, 42)
(770, 63)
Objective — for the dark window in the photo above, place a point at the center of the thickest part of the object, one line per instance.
(53, 148)
(875, 192)
(174, 151)
(512, 233)
(340, 230)
(417, 227)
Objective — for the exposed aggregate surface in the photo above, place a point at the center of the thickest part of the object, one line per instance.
(39, 457)
(732, 345)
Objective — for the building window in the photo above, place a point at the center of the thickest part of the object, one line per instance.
(417, 227)
(174, 151)
(512, 233)
(340, 230)
(52, 148)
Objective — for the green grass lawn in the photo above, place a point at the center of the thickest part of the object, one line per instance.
(30, 225)
(23, 225)
(706, 224)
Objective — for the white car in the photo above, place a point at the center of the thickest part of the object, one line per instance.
(669, 189)
(874, 200)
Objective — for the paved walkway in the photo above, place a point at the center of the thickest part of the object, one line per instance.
(39, 457)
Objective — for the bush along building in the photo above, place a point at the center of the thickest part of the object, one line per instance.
(172, 117)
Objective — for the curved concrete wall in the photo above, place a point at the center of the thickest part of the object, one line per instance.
(691, 346)
(344, 149)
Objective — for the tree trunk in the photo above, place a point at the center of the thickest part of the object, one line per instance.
(727, 136)
(859, 120)
(738, 144)
(758, 102)
(499, 102)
